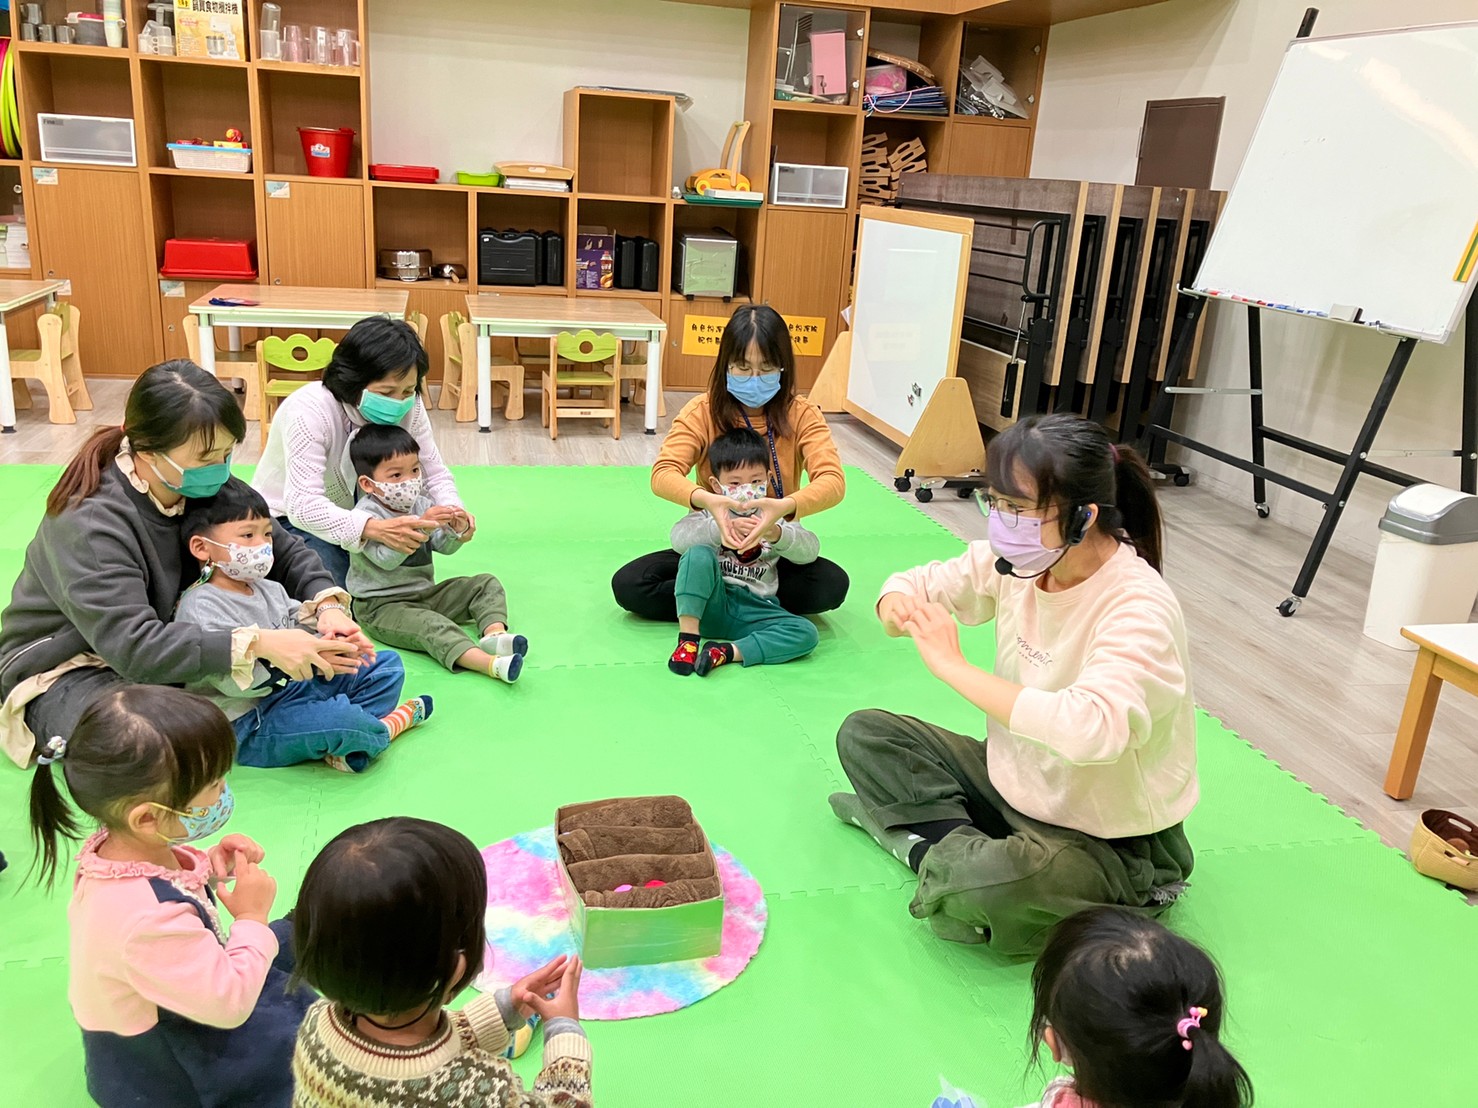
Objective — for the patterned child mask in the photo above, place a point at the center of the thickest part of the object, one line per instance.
(746, 493)
(401, 496)
(244, 563)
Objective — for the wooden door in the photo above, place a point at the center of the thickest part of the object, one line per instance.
(89, 228)
(806, 260)
(1177, 147)
(316, 234)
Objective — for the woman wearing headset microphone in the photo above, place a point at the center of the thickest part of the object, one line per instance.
(1076, 796)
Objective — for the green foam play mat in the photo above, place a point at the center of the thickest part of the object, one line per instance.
(1349, 975)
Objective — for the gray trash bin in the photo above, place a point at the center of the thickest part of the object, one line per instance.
(1426, 566)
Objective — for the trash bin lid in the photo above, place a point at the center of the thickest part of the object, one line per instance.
(1431, 514)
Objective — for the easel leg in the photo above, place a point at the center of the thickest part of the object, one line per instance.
(1335, 506)
(1469, 461)
(1254, 381)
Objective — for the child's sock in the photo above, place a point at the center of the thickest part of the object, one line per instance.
(338, 763)
(414, 712)
(897, 841)
(712, 656)
(506, 668)
(681, 662)
(502, 643)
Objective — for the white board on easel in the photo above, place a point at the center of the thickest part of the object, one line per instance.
(1359, 191)
(912, 268)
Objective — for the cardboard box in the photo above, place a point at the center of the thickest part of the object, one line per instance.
(595, 259)
(611, 937)
(210, 29)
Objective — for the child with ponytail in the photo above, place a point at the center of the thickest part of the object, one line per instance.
(1077, 797)
(173, 1009)
(1137, 1013)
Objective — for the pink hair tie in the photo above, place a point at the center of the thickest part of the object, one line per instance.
(1183, 1028)
(1114, 452)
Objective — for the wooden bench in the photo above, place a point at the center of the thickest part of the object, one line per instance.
(1445, 652)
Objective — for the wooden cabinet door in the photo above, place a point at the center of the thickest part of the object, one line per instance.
(89, 227)
(805, 258)
(690, 372)
(316, 235)
(989, 150)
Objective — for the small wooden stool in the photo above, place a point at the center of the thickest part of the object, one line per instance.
(1446, 652)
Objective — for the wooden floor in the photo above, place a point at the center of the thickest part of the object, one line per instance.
(1312, 692)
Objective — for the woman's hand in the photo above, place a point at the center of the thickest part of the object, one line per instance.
(895, 610)
(937, 637)
(721, 508)
(302, 656)
(403, 534)
(337, 625)
(223, 855)
(538, 985)
(766, 521)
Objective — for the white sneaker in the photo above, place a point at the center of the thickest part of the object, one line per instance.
(508, 667)
(501, 644)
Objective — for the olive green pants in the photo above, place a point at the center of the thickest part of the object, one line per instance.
(435, 622)
(1006, 878)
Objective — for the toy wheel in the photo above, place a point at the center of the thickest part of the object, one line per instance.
(1263, 511)
(1182, 480)
(1289, 606)
(901, 483)
(923, 495)
(964, 492)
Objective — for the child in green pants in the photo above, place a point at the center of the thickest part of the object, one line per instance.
(730, 596)
(396, 595)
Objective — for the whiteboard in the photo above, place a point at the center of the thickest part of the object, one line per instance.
(1360, 187)
(906, 313)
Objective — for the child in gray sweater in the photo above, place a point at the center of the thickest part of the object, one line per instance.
(396, 595)
(345, 719)
(728, 596)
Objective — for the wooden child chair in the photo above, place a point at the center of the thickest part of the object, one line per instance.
(225, 359)
(587, 349)
(418, 323)
(286, 365)
(459, 369)
(55, 365)
(634, 369)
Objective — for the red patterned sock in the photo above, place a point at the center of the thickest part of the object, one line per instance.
(712, 656)
(681, 662)
(412, 713)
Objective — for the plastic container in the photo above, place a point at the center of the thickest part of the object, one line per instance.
(480, 180)
(1426, 566)
(209, 259)
(90, 29)
(86, 139)
(217, 159)
(294, 46)
(811, 186)
(409, 174)
(327, 150)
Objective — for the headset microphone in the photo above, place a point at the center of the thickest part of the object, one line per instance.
(1003, 567)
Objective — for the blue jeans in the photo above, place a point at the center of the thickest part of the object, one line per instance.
(308, 720)
(335, 559)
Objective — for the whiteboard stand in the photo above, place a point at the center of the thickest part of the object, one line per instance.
(1354, 462)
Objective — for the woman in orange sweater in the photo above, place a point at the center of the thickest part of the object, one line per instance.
(752, 385)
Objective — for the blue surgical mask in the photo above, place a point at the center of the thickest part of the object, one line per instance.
(200, 822)
(381, 409)
(754, 392)
(197, 482)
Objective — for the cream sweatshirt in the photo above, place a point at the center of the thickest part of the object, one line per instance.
(1103, 736)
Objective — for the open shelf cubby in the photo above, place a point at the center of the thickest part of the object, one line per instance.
(201, 208)
(416, 219)
(332, 14)
(183, 102)
(803, 42)
(621, 143)
(1015, 51)
(742, 223)
(291, 100)
(71, 85)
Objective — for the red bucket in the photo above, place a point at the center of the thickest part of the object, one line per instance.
(327, 150)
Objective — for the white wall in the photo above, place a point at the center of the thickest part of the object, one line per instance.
(461, 84)
(1319, 377)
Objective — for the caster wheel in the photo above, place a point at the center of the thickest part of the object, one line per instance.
(923, 496)
(1263, 511)
(964, 494)
(901, 483)
(1182, 480)
(1289, 606)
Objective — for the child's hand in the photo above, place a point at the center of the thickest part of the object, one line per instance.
(253, 891)
(766, 522)
(440, 514)
(222, 856)
(532, 990)
(721, 508)
(465, 525)
(566, 1002)
(337, 625)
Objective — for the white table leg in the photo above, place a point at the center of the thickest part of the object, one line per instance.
(233, 339)
(7, 398)
(484, 382)
(654, 378)
(207, 346)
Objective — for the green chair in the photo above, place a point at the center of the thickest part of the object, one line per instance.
(286, 365)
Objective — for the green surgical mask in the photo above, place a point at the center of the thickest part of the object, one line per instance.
(381, 409)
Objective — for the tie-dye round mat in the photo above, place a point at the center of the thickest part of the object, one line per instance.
(528, 925)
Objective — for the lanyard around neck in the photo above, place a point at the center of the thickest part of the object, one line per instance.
(774, 457)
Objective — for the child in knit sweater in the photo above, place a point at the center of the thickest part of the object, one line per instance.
(730, 595)
(344, 718)
(389, 928)
(173, 1009)
(397, 596)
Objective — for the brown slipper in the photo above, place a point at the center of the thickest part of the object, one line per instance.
(1444, 846)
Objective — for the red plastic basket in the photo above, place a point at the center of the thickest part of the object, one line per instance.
(209, 259)
(407, 174)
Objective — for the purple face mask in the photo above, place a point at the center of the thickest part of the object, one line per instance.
(1021, 545)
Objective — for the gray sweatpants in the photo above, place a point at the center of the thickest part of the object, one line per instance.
(1008, 874)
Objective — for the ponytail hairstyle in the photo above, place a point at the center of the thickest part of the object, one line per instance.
(1123, 996)
(170, 404)
(133, 745)
(761, 326)
(1072, 463)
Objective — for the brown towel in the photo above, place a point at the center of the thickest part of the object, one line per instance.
(590, 843)
(604, 874)
(641, 811)
(668, 896)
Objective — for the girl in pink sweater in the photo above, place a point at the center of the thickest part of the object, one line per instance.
(173, 1009)
(1088, 767)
